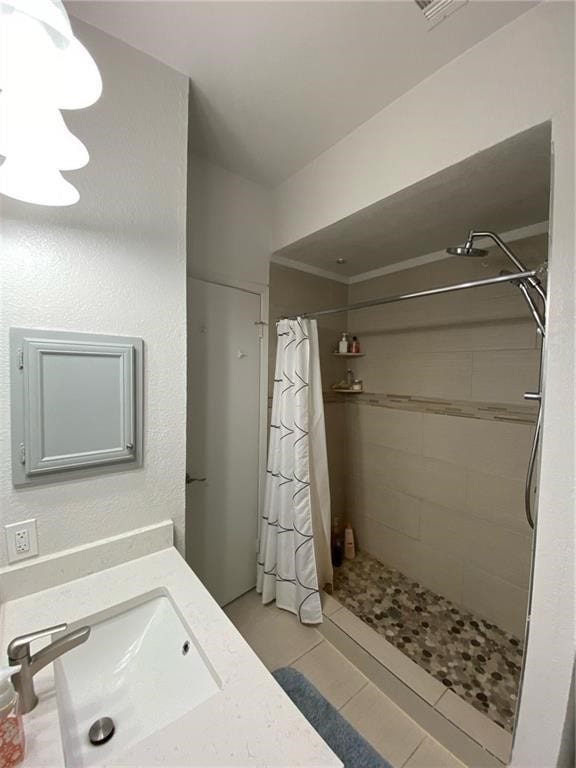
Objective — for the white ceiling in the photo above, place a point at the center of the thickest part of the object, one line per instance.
(276, 83)
(504, 188)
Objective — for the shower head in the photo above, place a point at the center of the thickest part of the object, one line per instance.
(466, 250)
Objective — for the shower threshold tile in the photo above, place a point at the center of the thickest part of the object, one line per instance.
(420, 681)
(480, 728)
(474, 659)
(329, 605)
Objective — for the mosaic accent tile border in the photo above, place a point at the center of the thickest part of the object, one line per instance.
(470, 409)
(474, 658)
(328, 398)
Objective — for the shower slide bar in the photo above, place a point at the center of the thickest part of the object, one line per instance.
(511, 278)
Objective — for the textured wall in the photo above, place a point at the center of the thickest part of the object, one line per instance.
(114, 263)
(293, 291)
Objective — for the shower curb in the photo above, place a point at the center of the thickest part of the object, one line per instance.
(461, 744)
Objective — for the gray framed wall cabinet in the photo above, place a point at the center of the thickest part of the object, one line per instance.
(76, 404)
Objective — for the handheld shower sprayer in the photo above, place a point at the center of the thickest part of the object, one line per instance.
(535, 297)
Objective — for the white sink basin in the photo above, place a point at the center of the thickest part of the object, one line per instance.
(141, 667)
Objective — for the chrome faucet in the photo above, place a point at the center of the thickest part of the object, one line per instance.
(19, 654)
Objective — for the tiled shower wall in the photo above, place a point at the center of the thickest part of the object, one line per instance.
(438, 453)
(428, 464)
(293, 291)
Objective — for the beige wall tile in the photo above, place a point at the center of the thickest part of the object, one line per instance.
(392, 508)
(369, 534)
(441, 571)
(496, 499)
(400, 430)
(499, 448)
(423, 477)
(425, 374)
(503, 376)
(495, 599)
(391, 547)
(378, 340)
(497, 550)
(337, 449)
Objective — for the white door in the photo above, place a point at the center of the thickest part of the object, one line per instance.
(223, 437)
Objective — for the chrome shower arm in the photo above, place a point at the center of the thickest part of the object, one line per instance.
(534, 282)
(473, 234)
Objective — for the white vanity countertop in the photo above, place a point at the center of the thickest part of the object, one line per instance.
(249, 722)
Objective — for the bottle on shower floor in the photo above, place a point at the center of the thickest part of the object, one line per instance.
(337, 544)
(349, 548)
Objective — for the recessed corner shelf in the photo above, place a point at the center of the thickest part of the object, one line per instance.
(348, 391)
(348, 354)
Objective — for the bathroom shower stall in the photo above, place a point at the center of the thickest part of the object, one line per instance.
(434, 463)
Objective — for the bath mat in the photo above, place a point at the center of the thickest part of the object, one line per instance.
(341, 737)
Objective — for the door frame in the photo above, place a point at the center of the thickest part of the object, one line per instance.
(262, 291)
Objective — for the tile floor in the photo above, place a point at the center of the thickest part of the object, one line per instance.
(474, 658)
(280, 640)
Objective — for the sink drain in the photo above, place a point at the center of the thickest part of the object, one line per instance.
(101, 731)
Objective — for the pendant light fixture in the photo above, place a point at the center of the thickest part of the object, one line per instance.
(43, 69)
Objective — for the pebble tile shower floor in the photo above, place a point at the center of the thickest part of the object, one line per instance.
(474, 658)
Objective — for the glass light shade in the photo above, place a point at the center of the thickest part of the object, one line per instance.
(52, 14)
(40, 185)
(36, 130)
(36, 58)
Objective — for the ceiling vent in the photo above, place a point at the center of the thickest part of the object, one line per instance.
(437, 10)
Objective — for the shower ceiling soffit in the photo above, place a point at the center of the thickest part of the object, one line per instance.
(523, 233)
(502, 189)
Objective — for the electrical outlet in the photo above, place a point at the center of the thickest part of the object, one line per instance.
(22, 540)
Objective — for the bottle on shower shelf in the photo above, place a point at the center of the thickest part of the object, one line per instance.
(355, 345)
(343, 345)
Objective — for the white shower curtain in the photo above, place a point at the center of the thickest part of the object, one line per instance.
(294, 536)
